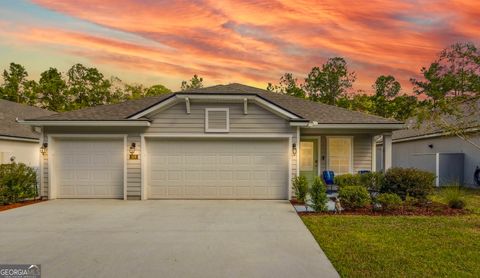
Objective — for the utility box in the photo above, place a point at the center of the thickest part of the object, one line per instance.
(447, 167)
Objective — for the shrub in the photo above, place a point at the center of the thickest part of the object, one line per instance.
(372, 181)
(347, 180)
(454, 197)
(408, 181)
(318, 195)
(352, 197)
(389, 201)
(17, 182)
(300, 186)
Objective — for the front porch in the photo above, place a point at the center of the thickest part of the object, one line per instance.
(341, 151)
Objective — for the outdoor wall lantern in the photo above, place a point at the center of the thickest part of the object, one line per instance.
(294, 149)
(131, 150)
(430, 146)
(43, 148)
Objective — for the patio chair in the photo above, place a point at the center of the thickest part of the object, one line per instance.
(329, 179)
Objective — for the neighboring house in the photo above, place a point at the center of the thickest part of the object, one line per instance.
(19, 143)
(220, 142)
(430, 148)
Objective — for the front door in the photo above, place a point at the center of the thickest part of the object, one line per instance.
(309, 158)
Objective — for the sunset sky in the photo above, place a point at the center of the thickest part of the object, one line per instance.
(251, 42)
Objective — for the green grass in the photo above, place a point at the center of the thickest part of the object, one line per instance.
(401, 246)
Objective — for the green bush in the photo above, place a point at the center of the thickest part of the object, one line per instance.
(389, 201)
(408, 181)
(17, 182)
(318, 195)
(347, 180)
(454, 197)
(352, 197)
(372, 181)
(300, 186)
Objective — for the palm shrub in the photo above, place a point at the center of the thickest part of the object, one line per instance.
(300, 186)
(353, 197)
(454, 196)
(408, 182)
(318, 195)
(17, 182)
(389, 201)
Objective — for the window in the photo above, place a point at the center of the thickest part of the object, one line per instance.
(340, 154)
(217, 120)
(306, 156)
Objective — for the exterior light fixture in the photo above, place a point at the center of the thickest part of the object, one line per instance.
(131, 150)
(43, 148)
(294, 149)
(430, 146)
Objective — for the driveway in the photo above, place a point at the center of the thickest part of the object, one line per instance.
(114, 238)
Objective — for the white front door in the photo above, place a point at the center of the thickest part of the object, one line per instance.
(217, 169)
(89, 168)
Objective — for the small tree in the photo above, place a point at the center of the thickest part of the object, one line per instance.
(318, 195)
(300, 186)
(195, 83)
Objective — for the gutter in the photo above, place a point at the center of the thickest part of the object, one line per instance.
(84, 123)
(314, 125)
(15, 138)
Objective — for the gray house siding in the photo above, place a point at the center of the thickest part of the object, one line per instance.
(175, 120)
(403, 151)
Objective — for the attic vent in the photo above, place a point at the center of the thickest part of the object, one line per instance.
(217, 120)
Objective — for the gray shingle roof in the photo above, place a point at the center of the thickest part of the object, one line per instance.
(9, 111)
(308, 110)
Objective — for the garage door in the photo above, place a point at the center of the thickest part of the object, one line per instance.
(217, 169)
(89, 168)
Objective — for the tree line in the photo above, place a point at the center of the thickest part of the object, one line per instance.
(78, 88)
(451, 80)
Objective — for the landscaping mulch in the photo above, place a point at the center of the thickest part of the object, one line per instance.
(434, 209)
(20, 204)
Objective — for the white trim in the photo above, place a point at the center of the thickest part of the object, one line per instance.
(144, 163)
(227, 118)
(437, 169)
(353, 126)
(245, 106)
(85, 123)
(319, 151)
(201, 135)
(143, 166)
(52, 183)
(433, 135)
(206, 96)
(125, 166)
(289, 182)
(298, 152)
(374, 153)
(352, 166)
(187, 104)
(41, 166)
(8, 138)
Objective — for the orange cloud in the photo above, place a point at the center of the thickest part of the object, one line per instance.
(257, 41)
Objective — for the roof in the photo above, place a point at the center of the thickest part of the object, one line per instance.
(10, 111)
(413, 130)
(304, 109)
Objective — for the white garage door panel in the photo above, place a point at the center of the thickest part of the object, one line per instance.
(217, 169)
(89, 168)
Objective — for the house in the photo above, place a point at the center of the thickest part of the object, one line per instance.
(221, 142)
(19, 143)
(431, 148)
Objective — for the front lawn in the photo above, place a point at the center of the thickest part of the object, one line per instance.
(401, 246)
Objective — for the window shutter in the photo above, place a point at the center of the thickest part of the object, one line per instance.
(217, 120)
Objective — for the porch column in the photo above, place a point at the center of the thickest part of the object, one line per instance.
(387, 151)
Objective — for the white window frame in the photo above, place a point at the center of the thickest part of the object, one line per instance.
(327, 166)
(227, 110)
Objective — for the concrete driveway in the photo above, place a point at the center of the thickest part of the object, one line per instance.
(114, 238)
